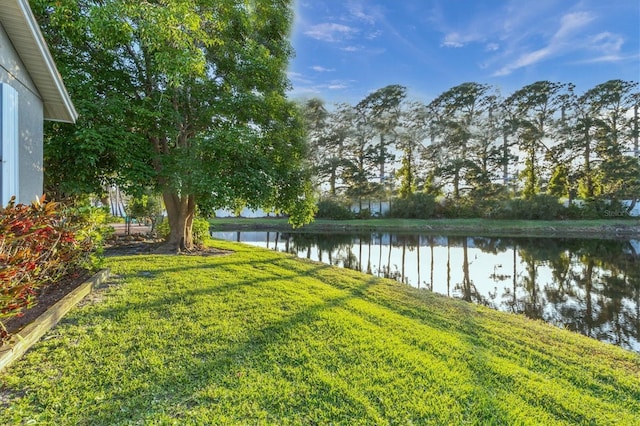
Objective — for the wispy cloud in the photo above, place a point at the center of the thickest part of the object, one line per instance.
(317, 88)
(373, 35)
(298, 77)
(606, 42)
(337, 86)
(562, 41)
(572, 22)
(512, 42)
(319, 68)
(455, 39)
(524, 60)
(607, 48)
(331, 32)
(358, 9)
(492, 47)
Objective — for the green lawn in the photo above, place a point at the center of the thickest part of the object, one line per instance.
(259, 337)
(466, 226)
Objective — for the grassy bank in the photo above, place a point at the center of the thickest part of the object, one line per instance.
(484, 227)
(259, 337)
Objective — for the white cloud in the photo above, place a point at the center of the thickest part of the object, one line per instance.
(525, 60)
(520, 34)
(608, 48)
(320, 88)
(563, 40)
(606, 42)
(373, 35)
(331, 32)
(572, 22)
(492, 47)
(319, 68)
(369, 14)
(298, 77)
(351, 49)
(337, 84)
(453, 40)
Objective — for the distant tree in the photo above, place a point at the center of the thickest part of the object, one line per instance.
(412, 133)
(316, 117)
(620, 178)
(533, 110)
(360, 154)
(329, 140)
(381, 111)
(185, 96)
(485, 151)
(456, 119)
(603, 133)
(559, 182)
(612, 104)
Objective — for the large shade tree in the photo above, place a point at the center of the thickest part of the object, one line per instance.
(185, 95)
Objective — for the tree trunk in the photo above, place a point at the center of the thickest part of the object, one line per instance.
(332, 183)
(636, 132)
(180, 212)
(587, 166)
(456, 185)
(382, 158)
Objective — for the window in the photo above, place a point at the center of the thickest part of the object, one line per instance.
(8, 143)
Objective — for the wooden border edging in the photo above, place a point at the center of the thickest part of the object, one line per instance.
(29, 335)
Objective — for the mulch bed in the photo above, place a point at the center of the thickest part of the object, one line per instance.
(47, 298)
(120, 246)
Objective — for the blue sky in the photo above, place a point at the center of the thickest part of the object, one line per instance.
(346, 49)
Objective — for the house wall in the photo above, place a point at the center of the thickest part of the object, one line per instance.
(30, 121)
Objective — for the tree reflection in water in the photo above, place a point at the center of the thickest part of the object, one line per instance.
(588, 286)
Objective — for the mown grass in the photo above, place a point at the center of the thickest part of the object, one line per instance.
(259, 337)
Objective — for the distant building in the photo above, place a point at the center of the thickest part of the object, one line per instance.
(31, 91)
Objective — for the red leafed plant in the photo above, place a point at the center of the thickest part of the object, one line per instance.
(37, 249)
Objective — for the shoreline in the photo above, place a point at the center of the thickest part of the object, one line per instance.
(475, 227)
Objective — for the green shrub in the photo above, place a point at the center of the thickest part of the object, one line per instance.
(539, 207)
(145, 207)
(364, 214)
(590, 209)
(418, 205)
(331, 209)
(163, 229)
(464, 207)
(596, 209)
(200, 230)
(91, 226)
(115, 219)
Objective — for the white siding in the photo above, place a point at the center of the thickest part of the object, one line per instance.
(8, 143)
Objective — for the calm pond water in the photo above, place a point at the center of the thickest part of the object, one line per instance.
(588, 286)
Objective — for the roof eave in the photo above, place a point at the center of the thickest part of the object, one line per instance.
(57, 104)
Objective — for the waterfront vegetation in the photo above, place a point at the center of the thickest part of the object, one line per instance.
(260, 337)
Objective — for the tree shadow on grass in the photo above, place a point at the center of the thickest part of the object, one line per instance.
(160, 302)
(218, 368)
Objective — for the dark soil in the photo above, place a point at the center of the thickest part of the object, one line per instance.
(47, 298)
(119, 246)
(125, 245)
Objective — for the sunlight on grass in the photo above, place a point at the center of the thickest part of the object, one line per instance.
(259, 337)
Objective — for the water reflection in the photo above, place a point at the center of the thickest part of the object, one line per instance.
(588, 286)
